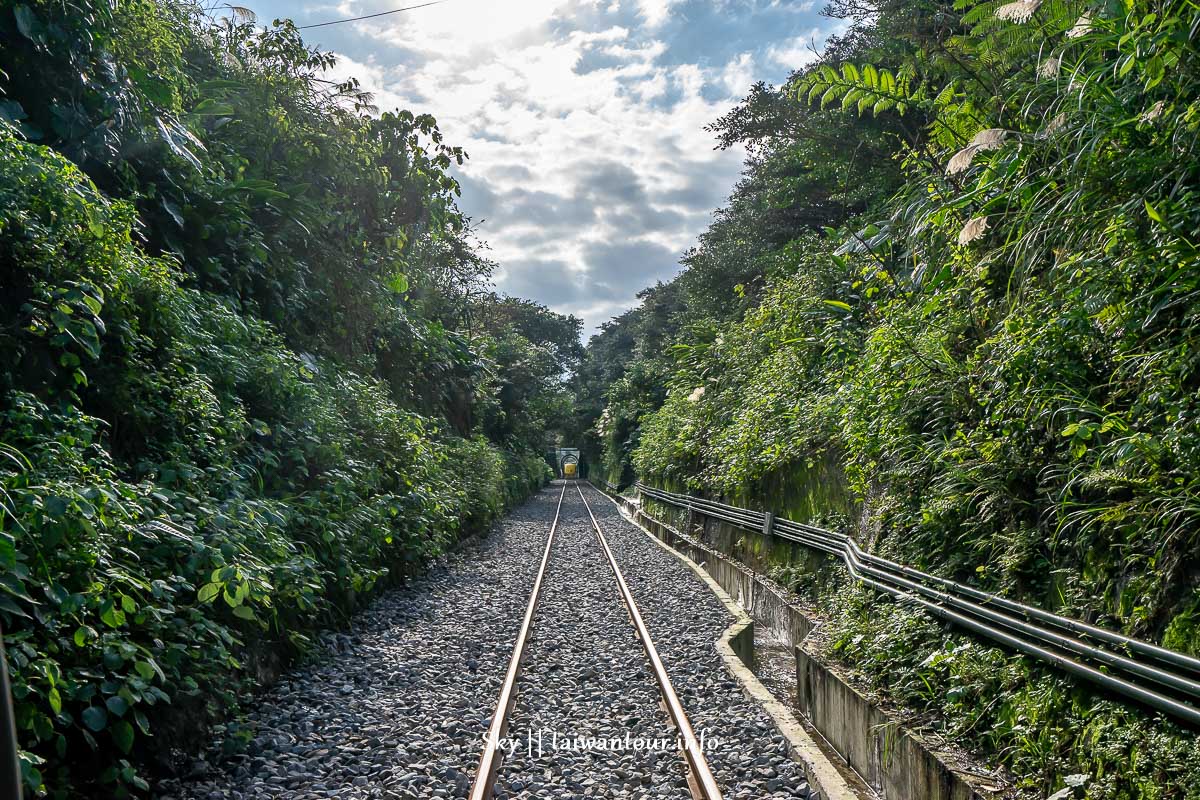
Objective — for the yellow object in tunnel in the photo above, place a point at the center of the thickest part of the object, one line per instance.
(568, 470)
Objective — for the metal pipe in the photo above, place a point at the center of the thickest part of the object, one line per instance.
(750, 519)
(1189, 687)
(1153, 651)
(851, 551)
(1072, 625)
(1150, 698)
(888, 576)
(1066, 623)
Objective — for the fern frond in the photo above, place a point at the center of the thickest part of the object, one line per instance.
(862, 88)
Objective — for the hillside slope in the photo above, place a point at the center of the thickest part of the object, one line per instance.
(953, 307)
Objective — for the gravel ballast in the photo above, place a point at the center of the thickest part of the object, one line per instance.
(399, 705)
(400, 709)
(586, 675)
(685, 618)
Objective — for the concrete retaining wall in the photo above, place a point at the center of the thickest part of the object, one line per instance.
(828, 778)
(896, 763)
(892, 760)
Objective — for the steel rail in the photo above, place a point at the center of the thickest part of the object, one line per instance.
(489, 760)
(700, 779)
(901, 581)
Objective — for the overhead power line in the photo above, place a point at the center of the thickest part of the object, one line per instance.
(370, 16)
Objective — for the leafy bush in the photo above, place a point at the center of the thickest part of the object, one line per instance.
(987, 371)
(234, 404)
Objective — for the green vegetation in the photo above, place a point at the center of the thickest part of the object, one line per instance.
(251, 372)
(954, 306)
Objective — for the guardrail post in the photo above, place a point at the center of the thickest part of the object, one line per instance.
(975, 610)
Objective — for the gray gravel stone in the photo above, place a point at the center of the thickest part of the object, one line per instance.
(586, 675)
(398, 704)
(407, 662)
(685, 620)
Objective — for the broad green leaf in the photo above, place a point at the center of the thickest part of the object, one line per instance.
(96, 227)
(9, 605)
(8, 550)
(27, 22)
(110, 615)
(94, 304)
(122, 733)
(95, 718)
(209, 107)
(398, 283)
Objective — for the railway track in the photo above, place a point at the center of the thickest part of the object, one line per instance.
(700, 782)
(398, 704)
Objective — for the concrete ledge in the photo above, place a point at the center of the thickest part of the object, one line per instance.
(887, 755)
(895, 762)
(736, 648)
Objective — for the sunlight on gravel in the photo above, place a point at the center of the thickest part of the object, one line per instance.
(397, 706)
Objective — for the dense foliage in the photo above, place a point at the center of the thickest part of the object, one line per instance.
(954, 306)
(252, 370)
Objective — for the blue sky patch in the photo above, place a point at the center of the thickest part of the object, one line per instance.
(590, 171)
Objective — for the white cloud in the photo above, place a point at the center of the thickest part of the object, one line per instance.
(738, 74)
(456, 28)
(802, 50)
(587, 141)
(655, 12)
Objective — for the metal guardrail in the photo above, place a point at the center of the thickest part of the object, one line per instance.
(1111, 660)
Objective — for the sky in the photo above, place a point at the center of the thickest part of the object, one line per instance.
(590, 172)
